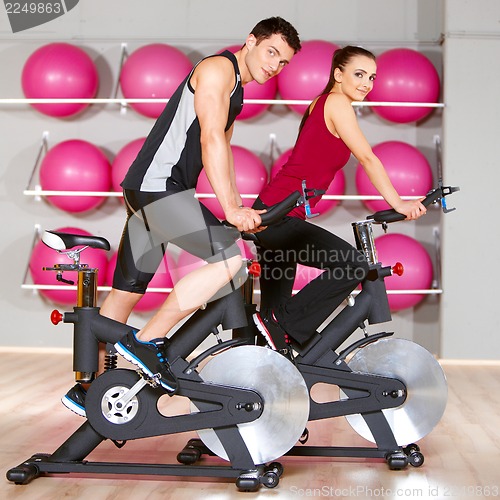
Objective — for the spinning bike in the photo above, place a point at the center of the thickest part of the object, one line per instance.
(256, 415)
(392, 391)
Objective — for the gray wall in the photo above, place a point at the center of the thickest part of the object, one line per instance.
(469, 326)
(199, 28)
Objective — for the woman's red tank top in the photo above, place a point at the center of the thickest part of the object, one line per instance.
(317, 156)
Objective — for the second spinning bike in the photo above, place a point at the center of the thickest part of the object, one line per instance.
(392, 391)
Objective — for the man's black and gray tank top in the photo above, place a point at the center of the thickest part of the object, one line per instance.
(170, 158)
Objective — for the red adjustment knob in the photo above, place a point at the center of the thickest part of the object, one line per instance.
(254, 269)
(398, 269)
(56, 317)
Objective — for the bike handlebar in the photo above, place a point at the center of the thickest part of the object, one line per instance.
(390, 215)
(276, 212)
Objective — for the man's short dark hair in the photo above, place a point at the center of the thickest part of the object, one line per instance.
(277, 26)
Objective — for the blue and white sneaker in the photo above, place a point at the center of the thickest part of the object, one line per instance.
(150, 357)
(74, 400)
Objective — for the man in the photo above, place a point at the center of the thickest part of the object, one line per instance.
(192, 133)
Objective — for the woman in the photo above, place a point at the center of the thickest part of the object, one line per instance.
(328, 134)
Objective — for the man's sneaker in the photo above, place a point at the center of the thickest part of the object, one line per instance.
(275, 336)
(75, 400)
(149, 357)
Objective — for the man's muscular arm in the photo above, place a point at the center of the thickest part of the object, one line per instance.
(213, 81)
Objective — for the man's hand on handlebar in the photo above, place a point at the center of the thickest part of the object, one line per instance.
(271, 215)
(245, 219)
(412, 209)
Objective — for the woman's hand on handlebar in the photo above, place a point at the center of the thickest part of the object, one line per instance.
(412, 209)
(245, 219)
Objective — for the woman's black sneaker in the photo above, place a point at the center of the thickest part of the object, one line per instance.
(276, 337)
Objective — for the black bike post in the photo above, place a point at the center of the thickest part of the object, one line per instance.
(85, 345)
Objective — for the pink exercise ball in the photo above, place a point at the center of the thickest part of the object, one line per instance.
(59, 71)
(404, 75)
(254, 90)
(44, 256)
(407, 168)
(307, 74)
(162, 279)
(305, 275)
(280, 161)
(153, 72)
(418, 270)
(122, 161)
(75, 165)
(251, 177)
(336, 187)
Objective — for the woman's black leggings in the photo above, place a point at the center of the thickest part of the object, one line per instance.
(295, 241)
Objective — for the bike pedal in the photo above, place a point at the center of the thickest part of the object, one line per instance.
(153, 381)
(288, 354)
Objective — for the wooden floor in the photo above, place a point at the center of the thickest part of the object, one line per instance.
(462, 454)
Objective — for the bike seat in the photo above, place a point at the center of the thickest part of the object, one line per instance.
(65, 241)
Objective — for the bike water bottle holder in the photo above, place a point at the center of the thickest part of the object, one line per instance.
(307, 194)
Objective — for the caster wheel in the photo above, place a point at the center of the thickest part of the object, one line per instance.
(198, 443)
(416, 459)
(276, 467)
(247, 483)
(397, 461)
(270, 479)
(411, 448)
(188, 456)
